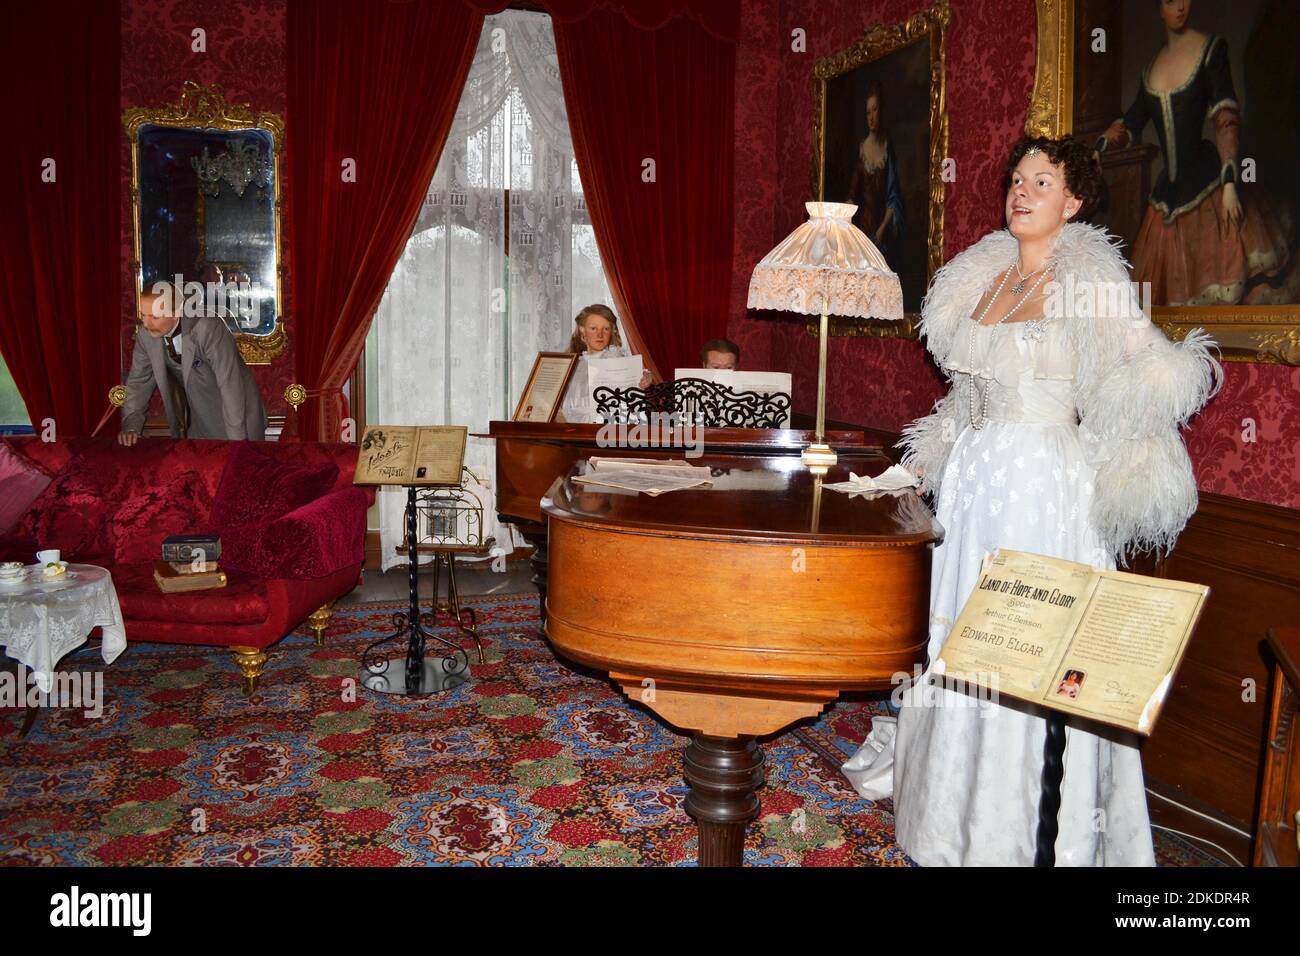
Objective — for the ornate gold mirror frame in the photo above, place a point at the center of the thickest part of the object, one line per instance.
(881, 41)
(206, 108)
(1245, 333)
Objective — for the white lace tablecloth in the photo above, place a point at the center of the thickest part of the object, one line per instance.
(41, 619)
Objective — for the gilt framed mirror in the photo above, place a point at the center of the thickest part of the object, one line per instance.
(205, 192)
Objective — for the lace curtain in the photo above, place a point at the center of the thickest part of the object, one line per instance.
(458, 328)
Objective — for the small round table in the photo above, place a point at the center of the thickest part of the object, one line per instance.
(42, 619)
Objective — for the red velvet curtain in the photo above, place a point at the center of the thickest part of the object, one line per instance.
(60, 280)
(651, 112)
(372, 91)
(719, 17)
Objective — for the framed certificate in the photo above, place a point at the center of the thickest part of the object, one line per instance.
(546, 387)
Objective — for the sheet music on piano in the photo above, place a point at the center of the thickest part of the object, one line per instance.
(620, 372)
(647, 475)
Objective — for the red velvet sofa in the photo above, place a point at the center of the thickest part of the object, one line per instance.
(112, 506)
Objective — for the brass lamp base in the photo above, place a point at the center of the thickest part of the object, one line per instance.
(818, 455)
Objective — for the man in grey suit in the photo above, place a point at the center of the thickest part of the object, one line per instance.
(195, 363)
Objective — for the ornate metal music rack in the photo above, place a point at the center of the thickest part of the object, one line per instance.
(446, 520)
(694, 401)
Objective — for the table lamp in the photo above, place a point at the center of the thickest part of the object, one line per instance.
(826, 267)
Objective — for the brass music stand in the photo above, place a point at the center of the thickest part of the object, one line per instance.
(445, 556)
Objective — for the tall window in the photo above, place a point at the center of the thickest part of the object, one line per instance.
(13, 413)
(501, 259)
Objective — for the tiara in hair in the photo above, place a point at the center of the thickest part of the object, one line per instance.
(1032, 150)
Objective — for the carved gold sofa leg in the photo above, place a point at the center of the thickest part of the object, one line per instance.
(320, 620)
(250, 661)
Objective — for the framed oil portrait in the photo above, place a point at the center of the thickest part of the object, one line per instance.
(880, 135)
(1193, 108)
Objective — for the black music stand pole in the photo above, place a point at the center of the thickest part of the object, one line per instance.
(419, 676)
(1049, 804)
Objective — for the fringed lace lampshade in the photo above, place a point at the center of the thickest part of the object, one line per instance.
(827, 266)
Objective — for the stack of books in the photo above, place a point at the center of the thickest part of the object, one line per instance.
(189, 563)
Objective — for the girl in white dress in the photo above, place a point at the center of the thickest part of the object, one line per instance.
(595, 336)
(1059, 437)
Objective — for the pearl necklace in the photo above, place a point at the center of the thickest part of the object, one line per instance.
(978, 422)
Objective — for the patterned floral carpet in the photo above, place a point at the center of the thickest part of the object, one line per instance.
(532, 762)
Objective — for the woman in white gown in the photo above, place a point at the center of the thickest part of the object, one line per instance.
(1059, 437)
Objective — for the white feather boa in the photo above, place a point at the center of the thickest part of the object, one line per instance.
(1133, 387)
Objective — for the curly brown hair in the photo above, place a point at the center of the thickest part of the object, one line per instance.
(576, 345)
(1082, 171)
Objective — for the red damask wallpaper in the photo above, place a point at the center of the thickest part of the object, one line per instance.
(1244, 444)
(759, 56)
(245, 56)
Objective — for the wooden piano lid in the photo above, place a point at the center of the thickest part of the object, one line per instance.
(757, 498)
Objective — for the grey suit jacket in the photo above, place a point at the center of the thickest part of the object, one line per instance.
(222, 396)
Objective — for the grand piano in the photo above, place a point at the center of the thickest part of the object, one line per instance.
(754, 602)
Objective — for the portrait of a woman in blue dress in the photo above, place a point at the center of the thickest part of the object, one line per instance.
(874, 188)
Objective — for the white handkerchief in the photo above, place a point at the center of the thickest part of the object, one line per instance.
(871, 769)
(893, 478)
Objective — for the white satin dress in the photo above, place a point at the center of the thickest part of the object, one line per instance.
(967, 780)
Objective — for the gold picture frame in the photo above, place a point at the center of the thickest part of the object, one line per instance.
(205, 107)
(881, 41)
(1245, 333)
(553, 397)
(1051, 106)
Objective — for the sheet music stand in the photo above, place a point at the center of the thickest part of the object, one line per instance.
(694, 401)
(420, 676)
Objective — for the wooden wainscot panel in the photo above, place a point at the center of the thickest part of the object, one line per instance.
(1207, 751)
(1279, 809)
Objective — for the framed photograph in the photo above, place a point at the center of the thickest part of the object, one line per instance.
(546, 386)
(880, 136)
(1196, 105)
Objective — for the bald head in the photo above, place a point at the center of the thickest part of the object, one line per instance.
(156, 313)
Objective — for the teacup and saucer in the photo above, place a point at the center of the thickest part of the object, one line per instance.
(49, 564)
